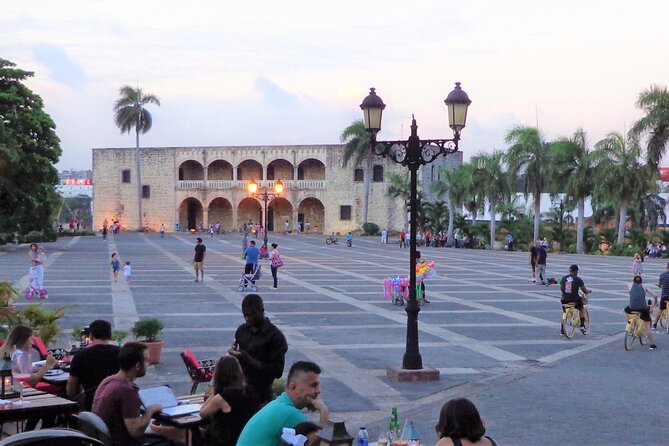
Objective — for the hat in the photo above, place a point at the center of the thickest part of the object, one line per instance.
(573, 268)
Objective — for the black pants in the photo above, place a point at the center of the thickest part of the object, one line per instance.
(248, 269)
(274, 276)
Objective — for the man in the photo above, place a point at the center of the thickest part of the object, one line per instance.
(664, 296)
(303, 389)
(117, 399)
(403, 238)
(92, 364)
(542, 256)
(198, 259)
(260, 348)
(533, 261)
(509, 241)
(639, 304)
(570, 286)
(252, 254)
(162, 230)
(384, 236)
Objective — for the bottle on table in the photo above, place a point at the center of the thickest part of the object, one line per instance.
(394, 427)
(363, 436)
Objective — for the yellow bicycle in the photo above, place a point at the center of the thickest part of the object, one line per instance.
(571, 320)
(635, 329)
(664, 319)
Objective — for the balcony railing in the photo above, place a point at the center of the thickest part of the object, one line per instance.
(242, 184)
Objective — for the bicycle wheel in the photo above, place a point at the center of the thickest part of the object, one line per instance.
(586, 320)
(630, 335)
(328, 241)
(568, 326)
(664, 319)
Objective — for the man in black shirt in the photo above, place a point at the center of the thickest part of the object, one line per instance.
(198, 259)
(570, 285)
(260, 348)
(92, 364)
(664, 284)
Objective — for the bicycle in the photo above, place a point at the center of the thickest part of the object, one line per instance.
(571, 320)
(664, 319)
(331, 240)
(635, 329)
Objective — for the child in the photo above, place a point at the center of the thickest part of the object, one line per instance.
(115, 265)
(637, 265)
(419, 264)
(127, 272)
(349, 239)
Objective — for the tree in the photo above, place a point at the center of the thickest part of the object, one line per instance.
(358, 147)
(573, 168)
(450, 186)
(29, 148)
(493, 182)
(129, 113)
(529, 156)
(654, 101)
(399, 186)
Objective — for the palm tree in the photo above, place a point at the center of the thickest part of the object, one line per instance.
(654, 101)
(493, 182)
(574, 168)
(620, 176)
(129, 113)
(357, 146)
(450, 186)
(399, 187)
(529, 155)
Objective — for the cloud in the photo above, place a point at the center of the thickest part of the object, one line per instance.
(62, 68)
(273, 93)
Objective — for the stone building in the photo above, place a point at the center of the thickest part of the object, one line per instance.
(193, 186)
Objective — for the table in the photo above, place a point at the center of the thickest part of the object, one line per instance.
(36, 403)
(191, 422)
(57, 380)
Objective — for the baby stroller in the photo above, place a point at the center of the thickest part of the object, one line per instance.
(248, 279)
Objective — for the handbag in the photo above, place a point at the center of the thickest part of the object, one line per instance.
(277, 262)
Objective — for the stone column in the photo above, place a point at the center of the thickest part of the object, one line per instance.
(235, 224)
(205, 217)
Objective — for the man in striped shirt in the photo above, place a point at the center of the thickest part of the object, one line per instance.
(664, 284)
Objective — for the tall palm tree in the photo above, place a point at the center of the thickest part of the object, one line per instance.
(129, 113)
(574, 166)
(493, 182)
(529, 156)
(399, 187)
(654, 101)
(357, 147)
(620, 176)
(450, 186)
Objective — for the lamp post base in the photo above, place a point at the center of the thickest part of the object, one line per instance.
(397, 374)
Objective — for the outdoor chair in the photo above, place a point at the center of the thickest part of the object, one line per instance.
(58, 353)
(199, 371)
(85, 398)
(51, 437)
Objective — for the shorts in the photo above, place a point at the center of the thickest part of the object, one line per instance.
(116, 269)
(643, 314)
(199, 266)
(663, 303)
(579, 303)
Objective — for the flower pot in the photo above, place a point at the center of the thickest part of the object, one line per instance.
(155, 351)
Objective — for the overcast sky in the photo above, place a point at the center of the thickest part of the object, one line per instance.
(295, 72)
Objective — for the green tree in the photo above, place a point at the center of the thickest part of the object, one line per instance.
(529, 158)
(29, 148)
(451, 187)
(493, 183)
(129, 113)
(358, 147)
(654, 125)
(399, 186)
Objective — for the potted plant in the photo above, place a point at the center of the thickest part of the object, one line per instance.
(8, 295)
(43, 322)
(146, 331)
(118, 336)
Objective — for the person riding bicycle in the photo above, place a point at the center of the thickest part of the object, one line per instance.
(570, 285)
(349, 239)
(664, 284)
(638, 303)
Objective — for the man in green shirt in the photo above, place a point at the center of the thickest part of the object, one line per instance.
(303, 390)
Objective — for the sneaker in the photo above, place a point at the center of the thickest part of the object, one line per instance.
(534, 280)
(654, 326)
(652, 347)
(426, 301)
(196, 280)
(275, 287)
(584, 330)
(544, 283)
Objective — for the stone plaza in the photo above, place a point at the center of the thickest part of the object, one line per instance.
(492, 334)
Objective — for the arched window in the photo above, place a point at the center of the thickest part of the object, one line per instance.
(146, 191)
(377, 176)
(125, 176)
(300, 173)
(181, 173)
(270, 172)
(358, 175)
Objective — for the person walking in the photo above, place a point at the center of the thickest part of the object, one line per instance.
(533, 261)
(403, 238)
(275, 258)
(637, 265)
(384, 236)
(127, 272)
(115, 266)
(252, 254)
(542, 256)
(162, 230)
(198, 259)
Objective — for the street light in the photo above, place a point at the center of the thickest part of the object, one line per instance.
(413, 154)
(265, 194)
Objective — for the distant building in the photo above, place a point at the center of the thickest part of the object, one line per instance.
(75, 182)
(431, 173)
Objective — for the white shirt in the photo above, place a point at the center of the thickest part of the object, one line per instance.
(127, 270)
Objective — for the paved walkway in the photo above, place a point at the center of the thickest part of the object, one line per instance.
(491, 332)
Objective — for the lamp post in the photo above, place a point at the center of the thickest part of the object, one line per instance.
(265, 194)
(413, 154)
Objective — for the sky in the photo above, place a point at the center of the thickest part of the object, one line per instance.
(295, 72)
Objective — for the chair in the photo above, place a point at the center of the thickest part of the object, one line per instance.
(51, 437)
(58, 353)
(85, 398)
(199, 371)
(93, 426)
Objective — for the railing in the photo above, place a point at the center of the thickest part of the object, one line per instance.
(243, 184)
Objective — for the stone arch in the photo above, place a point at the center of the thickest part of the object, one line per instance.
(219, 170)
(311, 210)
(220, 211)
(249, 169)
(249, 209)
(190, 213)
(279, 210)
(311, 169)
(191, 170)
(280, 169)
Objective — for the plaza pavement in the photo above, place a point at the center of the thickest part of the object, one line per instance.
(491, 332)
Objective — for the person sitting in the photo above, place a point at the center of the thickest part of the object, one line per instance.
(92, 364)
(230, 405)
(17, 347)
(117, 400)
(460, 424)
(303, 390)
(638, 304)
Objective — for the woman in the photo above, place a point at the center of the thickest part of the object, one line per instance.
(36, 259)
(18, 347)
(460, 425)
(231, 405)
(276, 262)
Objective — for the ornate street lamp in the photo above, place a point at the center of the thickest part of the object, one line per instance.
(413, 154)
(265, 195)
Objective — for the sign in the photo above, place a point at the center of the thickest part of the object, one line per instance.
(77, 181)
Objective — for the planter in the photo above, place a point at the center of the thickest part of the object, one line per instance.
(155, 351)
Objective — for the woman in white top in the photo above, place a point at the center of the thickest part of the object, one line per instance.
(274, 258)
(18, 346)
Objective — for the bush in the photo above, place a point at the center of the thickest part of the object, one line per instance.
(75, 233)
(370, 229)
(40, 236)
(625, 251)
(147, 330)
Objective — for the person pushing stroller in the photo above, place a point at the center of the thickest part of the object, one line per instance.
(251, 269)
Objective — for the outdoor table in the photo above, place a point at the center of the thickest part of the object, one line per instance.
(191, 422)
(36, 403)
(57, 380)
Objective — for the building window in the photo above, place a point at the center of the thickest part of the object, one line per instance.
(146, 191)
(239, 173)
(300, 173)
(181, 174)
(345, 212)
(125, 176)
(377, 176)
(270, 172)
(358, 175)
